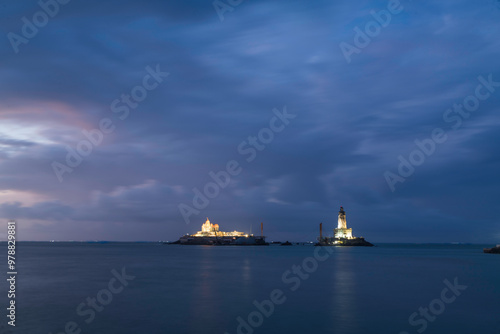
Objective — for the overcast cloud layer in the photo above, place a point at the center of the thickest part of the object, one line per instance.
(225, 78)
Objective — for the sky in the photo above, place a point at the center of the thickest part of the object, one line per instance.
(116, 116)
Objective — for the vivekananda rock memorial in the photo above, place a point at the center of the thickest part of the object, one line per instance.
(342, 236)
(211, 234)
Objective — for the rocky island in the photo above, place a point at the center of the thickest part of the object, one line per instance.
(342, 235)
(494, 250)
(211, 234)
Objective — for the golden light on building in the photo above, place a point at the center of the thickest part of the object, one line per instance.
(342, 232)
(212, 230)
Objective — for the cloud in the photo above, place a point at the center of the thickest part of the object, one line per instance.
(353, 120)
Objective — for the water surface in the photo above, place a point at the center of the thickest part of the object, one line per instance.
(203, 289)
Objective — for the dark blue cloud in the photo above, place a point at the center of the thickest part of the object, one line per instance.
(353, 119)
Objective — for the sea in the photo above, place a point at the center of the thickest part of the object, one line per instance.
(130, 288)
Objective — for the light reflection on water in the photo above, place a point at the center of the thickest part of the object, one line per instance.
(195, 289)
(344, 286)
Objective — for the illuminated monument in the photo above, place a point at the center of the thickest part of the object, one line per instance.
(342, 234)
(212, 230)
(211, 234)
(342, 231)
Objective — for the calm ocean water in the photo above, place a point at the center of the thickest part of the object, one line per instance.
(199, 289)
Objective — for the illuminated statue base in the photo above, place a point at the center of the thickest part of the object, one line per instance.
(354, 241)
(343, 233)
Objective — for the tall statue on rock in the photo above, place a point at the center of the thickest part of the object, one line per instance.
(342, 223)
(342, 232)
